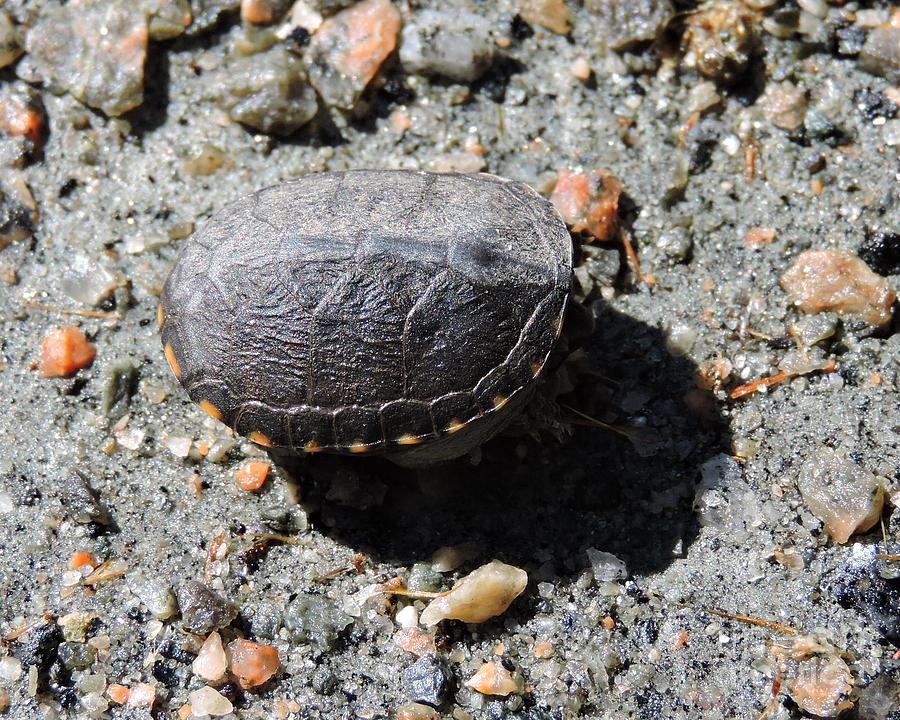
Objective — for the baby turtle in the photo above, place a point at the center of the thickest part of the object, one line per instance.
(400, 313)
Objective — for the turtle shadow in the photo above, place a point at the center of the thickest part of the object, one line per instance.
(540, 505)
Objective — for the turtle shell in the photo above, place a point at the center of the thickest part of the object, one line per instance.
(393, 312)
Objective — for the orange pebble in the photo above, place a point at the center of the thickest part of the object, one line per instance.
(588, 201)
(543, 650)
(64, 351)
(252, 476)
(252, 664)
(608, 623)
(118, 693)
(80, 558)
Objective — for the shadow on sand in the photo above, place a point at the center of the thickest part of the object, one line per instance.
(539, 505)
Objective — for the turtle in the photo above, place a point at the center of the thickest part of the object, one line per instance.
(397, 313)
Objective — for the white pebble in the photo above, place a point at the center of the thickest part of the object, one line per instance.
(210, 663)
(208, 701)
(179, 446)
(408, 617)
(10, 669)
(70, 578)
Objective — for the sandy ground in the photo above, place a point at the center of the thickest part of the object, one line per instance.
(638, 647)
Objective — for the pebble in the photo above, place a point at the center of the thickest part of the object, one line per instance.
(207, 160)
(606, 566)
(427, 680)
(482, 594)
(407, 617)
(810, 330)
(18, 212)
(581, 69)
(80, 501)
(10, 670)
(417, 711)
(454, 45)
(264, 12)
(211, 662)
(414, 641)
(64, 351)
(209, 701)
(494, 679)
(23, 123)
(202, 609)
(834, 281)
(349, 48)
(75, 625)
(551, 14)
(269, 91)
(207, 13)
(154, 593)
(95, 50)
(815, 677)
(252, 664)
(722, 38)
(628, 22)
(142, 695)
(675, 243)
(759, 237)
(588, 201)
(880, 55)
(251, 476)
(168, 18)
(316, 620)
(119, 385)
(845, 496)
(785, 105)
(87, 281)
(10, 42)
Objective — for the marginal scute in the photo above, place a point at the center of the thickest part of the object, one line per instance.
(388, 312)
(210, 409)
(260, 438)
(173, 362)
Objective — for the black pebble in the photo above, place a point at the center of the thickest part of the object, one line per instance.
(427, 680)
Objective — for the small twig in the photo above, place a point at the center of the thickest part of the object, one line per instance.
(414, 594)
(107, 571)
(274, 537)
(93, 314)
(589, 421)
(633, 258)
(332, 574)
(772, 380)
(758, 622)
(887, 557)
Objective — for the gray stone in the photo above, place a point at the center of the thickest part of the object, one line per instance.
(202, 609)
(427, 680)
(80, 501)
(95, 50)
(455, 45)
(269, 92)
(315, 620)
(154, 593)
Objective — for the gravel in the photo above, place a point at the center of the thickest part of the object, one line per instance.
(124, 142)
